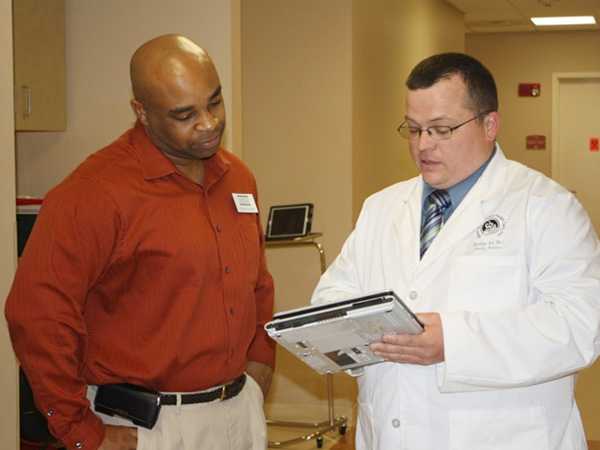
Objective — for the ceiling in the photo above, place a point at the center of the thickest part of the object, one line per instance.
(492, 16)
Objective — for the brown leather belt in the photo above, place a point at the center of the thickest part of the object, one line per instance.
(224, 392)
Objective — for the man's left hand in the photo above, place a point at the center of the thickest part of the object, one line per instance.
(262, 374)
(424, 349)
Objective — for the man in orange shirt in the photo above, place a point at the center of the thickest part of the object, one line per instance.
(146, 266)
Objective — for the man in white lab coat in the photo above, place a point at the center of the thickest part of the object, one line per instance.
(502, 266)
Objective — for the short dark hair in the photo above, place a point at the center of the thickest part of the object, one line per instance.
(477, 78)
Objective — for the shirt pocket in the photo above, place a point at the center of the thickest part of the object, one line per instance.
(499, 429)
(484, 283)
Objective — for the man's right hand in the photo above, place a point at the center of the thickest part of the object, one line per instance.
(119, 438)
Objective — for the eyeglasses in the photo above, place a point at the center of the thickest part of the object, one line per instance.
(435, 132)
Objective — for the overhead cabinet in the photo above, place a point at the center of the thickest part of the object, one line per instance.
(39, 61)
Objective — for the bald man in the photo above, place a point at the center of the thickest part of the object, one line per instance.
(146, 268)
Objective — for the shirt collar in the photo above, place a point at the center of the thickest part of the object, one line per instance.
(215, 168)
(156, 165)
(459, 190)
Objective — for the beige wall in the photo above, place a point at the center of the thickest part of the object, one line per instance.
(322, 95)
(297, 98)
(517, 58)
(8, 257)
(100, 38)
(390, 37)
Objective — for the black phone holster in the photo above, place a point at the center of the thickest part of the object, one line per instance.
(135, 403)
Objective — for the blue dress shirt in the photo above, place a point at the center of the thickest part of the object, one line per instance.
(457, 192)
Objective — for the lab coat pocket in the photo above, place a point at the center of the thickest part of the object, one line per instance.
(500, 429)
(484, 283)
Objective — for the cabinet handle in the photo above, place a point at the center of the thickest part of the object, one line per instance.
(27, 99)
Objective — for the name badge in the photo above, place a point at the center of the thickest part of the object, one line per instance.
(244, 203)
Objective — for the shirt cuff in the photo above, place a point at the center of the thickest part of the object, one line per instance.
(86, 434)
(454, 375)
(452, 323)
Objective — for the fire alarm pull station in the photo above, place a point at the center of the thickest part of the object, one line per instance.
(529, 89)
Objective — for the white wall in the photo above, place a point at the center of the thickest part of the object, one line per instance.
(8, 369)
(100, 39)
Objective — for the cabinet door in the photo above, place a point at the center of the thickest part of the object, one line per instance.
(39, 59)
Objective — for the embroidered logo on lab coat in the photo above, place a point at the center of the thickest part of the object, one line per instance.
(492, 226)
(489, 232)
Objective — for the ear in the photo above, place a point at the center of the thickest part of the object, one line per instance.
(491, 125)
(139, 111)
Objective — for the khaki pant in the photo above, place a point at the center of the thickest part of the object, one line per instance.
(234, 424)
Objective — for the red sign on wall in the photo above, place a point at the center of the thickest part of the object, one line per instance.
(535, 142)
(529, 89)
(594, 144)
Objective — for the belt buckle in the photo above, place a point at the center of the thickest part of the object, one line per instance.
(223, 392)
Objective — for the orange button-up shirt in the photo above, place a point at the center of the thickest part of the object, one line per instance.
(135, 274)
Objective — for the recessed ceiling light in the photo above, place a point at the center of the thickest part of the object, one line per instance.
(569, 20)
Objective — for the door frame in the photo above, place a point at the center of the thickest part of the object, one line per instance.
(557, 77)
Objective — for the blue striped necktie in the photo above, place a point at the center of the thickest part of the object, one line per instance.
(437, 203)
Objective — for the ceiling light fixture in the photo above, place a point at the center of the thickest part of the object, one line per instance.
(557, 21)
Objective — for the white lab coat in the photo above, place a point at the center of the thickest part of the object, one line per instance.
(519, 299)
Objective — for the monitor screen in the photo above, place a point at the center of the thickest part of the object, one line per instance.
(289, 221)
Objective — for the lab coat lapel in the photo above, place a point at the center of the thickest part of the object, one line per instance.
(407, 227)
(471, 212)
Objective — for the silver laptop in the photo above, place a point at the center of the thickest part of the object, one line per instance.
(335, 336)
